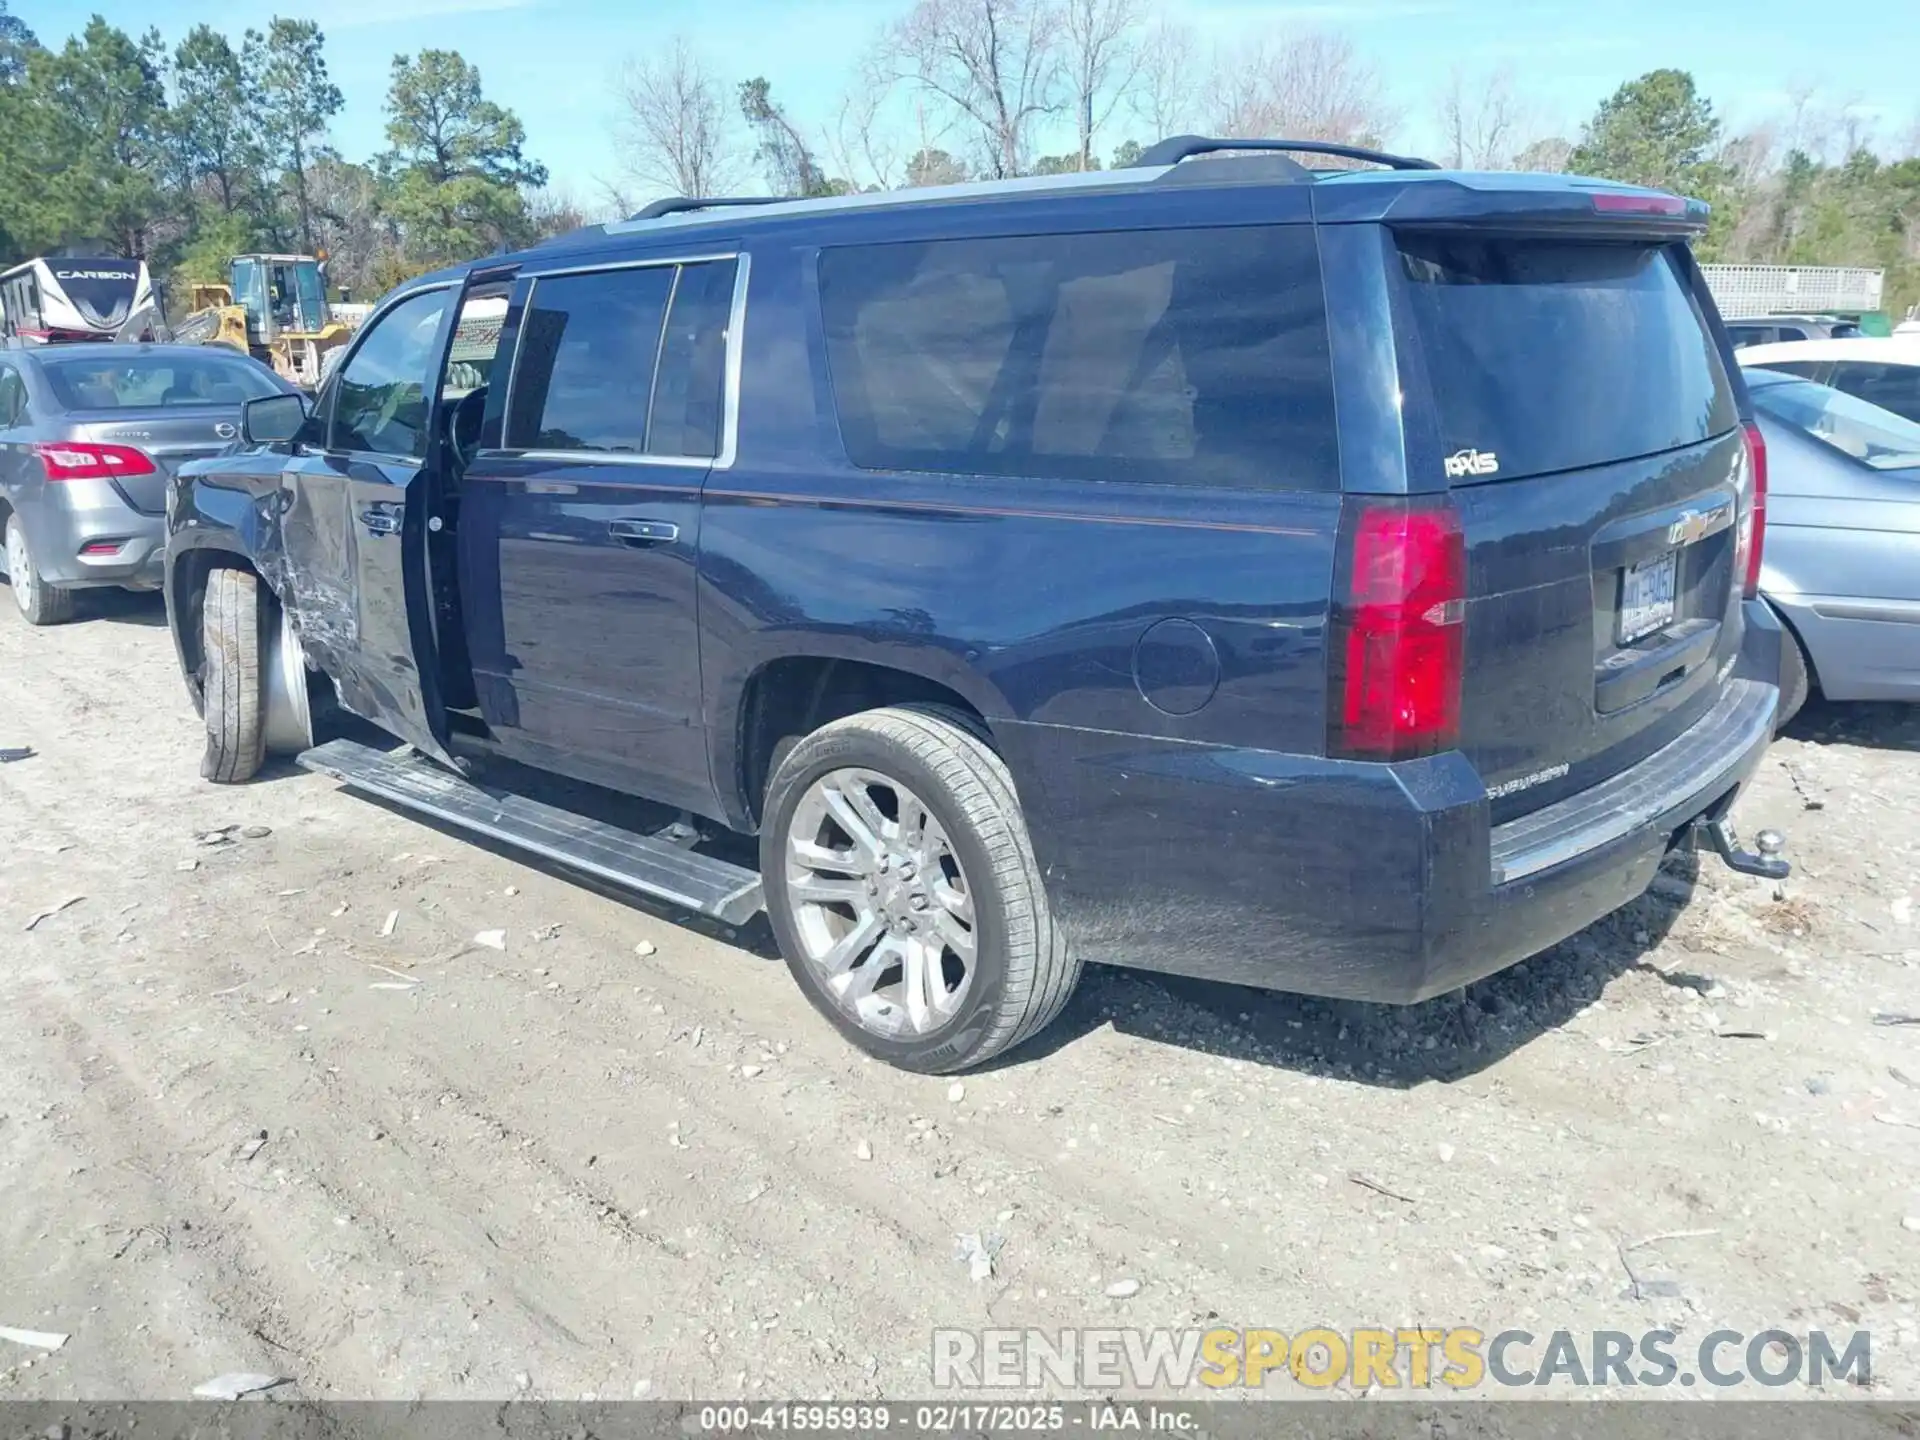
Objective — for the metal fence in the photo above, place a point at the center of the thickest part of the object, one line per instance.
(1753, 290)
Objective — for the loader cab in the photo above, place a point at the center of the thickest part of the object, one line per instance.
(282, 294)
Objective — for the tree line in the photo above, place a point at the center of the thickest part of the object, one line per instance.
(218, 145)
(185, 157)
(958, 89)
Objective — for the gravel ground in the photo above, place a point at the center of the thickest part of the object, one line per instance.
(265, 1106)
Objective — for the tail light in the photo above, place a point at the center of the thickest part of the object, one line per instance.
(84, 460)
(1398, 631)
(1750, 540)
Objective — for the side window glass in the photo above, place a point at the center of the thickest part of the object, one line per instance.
(381, 398)
(1181, 357)
(476, 342)
(588, 349)
(1790, 332)
(13, 399)
(689, 394)
(1891, 387)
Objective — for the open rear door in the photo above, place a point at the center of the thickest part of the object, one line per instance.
(359, 499)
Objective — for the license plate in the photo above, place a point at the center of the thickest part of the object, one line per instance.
(1646, 596)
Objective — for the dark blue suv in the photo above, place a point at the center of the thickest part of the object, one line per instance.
(1329, 581)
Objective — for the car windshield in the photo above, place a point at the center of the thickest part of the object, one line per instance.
(158, 380)
(1852, 426)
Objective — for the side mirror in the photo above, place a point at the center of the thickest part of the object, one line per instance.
(273, 419)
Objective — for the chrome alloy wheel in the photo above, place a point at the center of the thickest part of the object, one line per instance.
(880, 903)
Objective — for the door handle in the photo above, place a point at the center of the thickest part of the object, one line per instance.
(643, 532)
(381, 519)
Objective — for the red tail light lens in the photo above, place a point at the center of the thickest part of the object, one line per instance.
(1620, 202)
(1751, 538)
(83, 460)
(1398, 635)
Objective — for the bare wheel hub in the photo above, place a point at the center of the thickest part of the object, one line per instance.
(882, 907)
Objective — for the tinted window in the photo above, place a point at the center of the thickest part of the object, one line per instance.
(96, 384)
(1554, 355)
(1195, 357)
(689, 395)
(1748, 334)
(476, 344)
(588, 348)
(381, 398)
(1791, 332)
(1852, 426)
(13, 397)
(1891, 387)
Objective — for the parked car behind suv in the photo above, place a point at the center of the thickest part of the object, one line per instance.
(1331, 582)
(88, 433)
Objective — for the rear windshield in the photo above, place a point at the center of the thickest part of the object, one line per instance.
(1846, 423)
(98, 384)
(1171, 357)
(1549, 355)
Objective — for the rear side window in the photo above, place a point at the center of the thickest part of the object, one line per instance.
(1548, 355)
(13, 398)
(689, 392)
(1188, 357)
(1891, 387)
(588, 348)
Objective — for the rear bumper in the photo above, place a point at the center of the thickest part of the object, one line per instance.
(85, 534)
(1364, 882)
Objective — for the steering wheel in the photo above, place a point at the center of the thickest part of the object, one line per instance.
(463, 425)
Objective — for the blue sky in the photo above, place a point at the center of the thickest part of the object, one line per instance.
(554, 61)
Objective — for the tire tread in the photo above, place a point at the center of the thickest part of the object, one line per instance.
(235, 697)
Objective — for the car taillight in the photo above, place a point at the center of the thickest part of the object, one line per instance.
(1626, 202)
(84, 460)
(1398, 631)
(1751, 538)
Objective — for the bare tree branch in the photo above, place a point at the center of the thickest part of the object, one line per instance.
(1103, 61)
(673, 130)
(994, 64)
(1166, 93)
(1310, 85)
(1482, 120)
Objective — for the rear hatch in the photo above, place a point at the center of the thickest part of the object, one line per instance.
(169, 434)
(1593, 450)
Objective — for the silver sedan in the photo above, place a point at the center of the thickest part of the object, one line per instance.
(1841, 559)
(88, 437)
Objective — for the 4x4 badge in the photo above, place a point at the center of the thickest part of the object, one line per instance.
(1472, 462)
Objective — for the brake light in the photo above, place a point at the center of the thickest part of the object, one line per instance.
(1751, 539)
(1398, 632)
(1620, 202)
(84, 460)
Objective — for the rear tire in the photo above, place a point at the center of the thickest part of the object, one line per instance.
(1796, 679)
(1019, 972)
(232, 639)
(38, 602)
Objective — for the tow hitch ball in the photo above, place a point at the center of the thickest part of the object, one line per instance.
(1767, 864)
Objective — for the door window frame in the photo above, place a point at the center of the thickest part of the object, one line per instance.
(730, 369)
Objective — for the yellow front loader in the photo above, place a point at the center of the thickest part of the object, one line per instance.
(274, 308)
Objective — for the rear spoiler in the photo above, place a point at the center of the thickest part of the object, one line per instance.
(1516, 202)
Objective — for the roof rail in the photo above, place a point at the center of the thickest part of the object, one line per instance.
(1176, 148)
(680, 204)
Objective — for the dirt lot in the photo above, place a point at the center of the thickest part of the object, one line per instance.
(570, 1168)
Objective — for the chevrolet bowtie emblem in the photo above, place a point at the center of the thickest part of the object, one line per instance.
(1695, 525)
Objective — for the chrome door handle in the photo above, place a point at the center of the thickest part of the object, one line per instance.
(643, 532)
